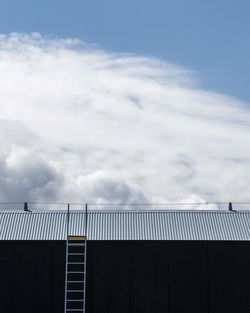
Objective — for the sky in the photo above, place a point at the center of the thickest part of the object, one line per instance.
(210, 37)
(124, 102)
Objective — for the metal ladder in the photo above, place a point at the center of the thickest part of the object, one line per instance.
(75, 278)
(75, 273)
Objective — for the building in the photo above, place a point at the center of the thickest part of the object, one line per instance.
(137, 261)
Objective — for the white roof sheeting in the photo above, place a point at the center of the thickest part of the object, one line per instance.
(126, 225)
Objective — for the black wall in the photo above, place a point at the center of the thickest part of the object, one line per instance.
(129, 277)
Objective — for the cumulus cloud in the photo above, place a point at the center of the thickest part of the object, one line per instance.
(82, 124)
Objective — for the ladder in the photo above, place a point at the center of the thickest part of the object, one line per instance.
(75, 276)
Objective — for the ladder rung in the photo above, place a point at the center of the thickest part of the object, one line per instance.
(76, 282)
(76, 244)
(75, 272)
(75, 290)
(75, 310)
(75, 262)
(75, 300)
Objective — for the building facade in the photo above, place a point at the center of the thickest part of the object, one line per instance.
(137, 261)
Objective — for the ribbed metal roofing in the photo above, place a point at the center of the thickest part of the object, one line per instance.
(126, 225)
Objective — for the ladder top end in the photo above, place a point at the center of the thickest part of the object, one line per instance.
(72, 237)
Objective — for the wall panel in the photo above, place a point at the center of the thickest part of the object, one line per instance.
(129, 277)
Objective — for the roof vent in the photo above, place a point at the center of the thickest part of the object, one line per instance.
(25, 207)
(230, 207)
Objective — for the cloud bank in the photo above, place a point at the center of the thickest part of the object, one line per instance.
(81, 124)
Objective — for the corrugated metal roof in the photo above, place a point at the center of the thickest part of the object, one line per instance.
(126, 225)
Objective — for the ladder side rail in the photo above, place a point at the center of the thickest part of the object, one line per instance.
(85, 258)
(85, 276)
(66, 263)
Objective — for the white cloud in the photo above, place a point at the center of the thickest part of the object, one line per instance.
(81, 124)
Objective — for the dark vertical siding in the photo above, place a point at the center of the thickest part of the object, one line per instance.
(129, 277)
(31, 276)
(149, 277)
(229, 271)
(108, 277)
(6, 281)
(188, 281)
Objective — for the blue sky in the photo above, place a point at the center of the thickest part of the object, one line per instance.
(168, 122)
(209, 37)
